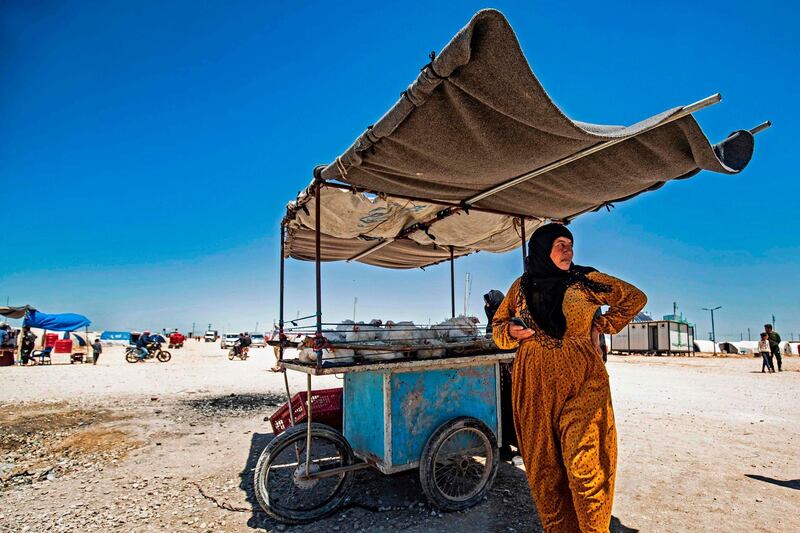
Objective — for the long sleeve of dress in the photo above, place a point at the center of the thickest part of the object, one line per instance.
(504, 313)
(624, 301)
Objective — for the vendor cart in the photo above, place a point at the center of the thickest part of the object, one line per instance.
(473, 155)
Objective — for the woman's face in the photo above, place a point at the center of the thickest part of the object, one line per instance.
(561, 253)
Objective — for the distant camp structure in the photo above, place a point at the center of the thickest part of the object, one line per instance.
(672, 335)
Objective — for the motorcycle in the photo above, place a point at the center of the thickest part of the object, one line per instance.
(153, 350)
(238, 351)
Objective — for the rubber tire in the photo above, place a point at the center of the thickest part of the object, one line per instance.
(426, 461)
(277, 445)
(164, 356)
(231, 354)
(131, 356)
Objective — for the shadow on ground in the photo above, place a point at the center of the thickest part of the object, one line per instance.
(396, 503)
(788, 483)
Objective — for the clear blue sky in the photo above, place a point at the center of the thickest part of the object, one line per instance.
(147, 150)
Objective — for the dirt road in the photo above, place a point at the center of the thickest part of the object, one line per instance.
(705, 444)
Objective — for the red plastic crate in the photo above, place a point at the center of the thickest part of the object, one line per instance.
(63, 346)
(50, 339)
(326, 408)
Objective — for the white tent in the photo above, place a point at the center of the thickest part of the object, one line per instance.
(705, 346)
(790, 348)
(746, 347)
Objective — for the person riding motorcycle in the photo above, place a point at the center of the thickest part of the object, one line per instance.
(242, 344)
(141, 345)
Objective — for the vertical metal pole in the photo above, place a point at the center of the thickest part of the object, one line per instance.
(308, 431)
(281, 335)
(281, 303)
(524, 242)
(452, 285)
(318, 336)
(318, 261)
(713, 333)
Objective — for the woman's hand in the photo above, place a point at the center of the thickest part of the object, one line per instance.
(518, 332)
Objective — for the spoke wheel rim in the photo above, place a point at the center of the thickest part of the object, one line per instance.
(283, 481)
(461, 472)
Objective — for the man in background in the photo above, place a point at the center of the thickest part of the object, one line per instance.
(774, 343)
(27, 345)
(141, 345)
(97, 349)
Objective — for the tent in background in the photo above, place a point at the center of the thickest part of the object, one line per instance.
(116, 337)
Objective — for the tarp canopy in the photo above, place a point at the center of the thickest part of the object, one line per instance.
(476, 118)
(352, 223)
(115, 336)
(61, 322)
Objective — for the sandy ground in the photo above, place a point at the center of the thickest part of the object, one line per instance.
(705, 444)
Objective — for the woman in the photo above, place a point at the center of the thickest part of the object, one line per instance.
(561, 397)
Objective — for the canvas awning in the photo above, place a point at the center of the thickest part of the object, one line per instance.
(355, 223)
(477, 130)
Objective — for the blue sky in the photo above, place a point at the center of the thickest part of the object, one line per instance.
(147, 150)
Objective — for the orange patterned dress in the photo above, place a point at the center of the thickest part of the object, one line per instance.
(562, 404)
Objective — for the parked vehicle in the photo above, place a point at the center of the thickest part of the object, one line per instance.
(258, 340)
(211, 335)
(154, 350)
(228, 340)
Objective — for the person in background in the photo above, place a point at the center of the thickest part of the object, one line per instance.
(247, 341)
(276, 336)
(774, 344)
(491, 301)
(27, 345)
(141, 345)
(766, 353)
(600, 341)
(3, 333)
(238, 346)
(97, 349)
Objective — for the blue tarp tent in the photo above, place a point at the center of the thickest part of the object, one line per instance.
(120, 336)
(62, 322)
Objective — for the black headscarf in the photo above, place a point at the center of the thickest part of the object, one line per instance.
(544, 284)
(492, 301)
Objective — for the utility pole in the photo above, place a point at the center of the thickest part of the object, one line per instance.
(355, 302)
(467, 291)
(256, 330)
(748, 333)
(713, 331)
(773, 321)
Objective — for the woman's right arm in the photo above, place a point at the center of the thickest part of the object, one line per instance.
(501, 321)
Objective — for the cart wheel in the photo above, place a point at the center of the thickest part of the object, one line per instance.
(164, 356)
(458, 463)
(279, 485)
